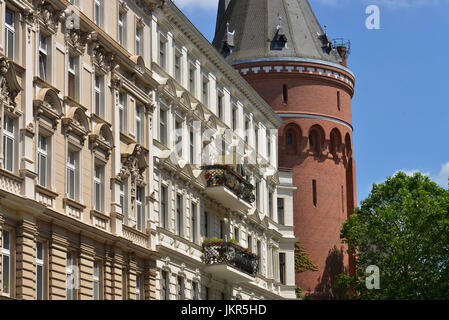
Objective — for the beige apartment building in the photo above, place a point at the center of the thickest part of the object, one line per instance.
(113, 180)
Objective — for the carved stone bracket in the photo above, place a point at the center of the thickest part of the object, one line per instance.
(134, 164)
(48, 16)
(9, 86)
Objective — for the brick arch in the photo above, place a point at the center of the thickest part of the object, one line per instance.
(317, 138)
(291, 138)
(335, 142)
(348, 145)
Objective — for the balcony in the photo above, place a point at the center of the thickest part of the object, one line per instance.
(228, 261)
(228, 187)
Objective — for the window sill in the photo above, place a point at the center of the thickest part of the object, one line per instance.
(73, 203)
(48, 192)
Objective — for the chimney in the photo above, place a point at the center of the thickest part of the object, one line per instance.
(343, 52)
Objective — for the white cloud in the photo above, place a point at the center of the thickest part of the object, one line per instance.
(197, 4)
(441, 178)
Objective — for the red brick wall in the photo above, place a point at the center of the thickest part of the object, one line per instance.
(317, 227)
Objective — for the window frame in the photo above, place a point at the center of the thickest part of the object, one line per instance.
(41, 263)
(162, 56)
(163, 207)
(43, 52)
(139, 43)
(74, 167)
(139, 123)
(165, 285)
(99, 180)
(193, 220)
(97, 280)
(99, 99)
(140, 208)
(9, 136)
(44, 154)
(7, 252)
(179, 214)
(163, 122)
(13, 30)
(180, 288)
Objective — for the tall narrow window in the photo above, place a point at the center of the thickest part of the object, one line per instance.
(237, 235)
(246, 130)
(123, 198)
(179, 215)
(178, 135)
(121, 111)
(206, 225)
(6, 263)
(71, 277)
(72, 78)
(163, 126)
(162, 54)
(282, 268)
(220, 106)
(285, 94)
(194, 290)
(193, 222)
(338, 100)
(140, 214)
(40, 271)
(98, 188)
(139, 126)
(10, 34)
(98, 12)
(43, 56)
(258, 196)
(250, 243)
(178, 67)
(192, 147)
(138, 287)
(71, 174)
(180, 288)
(281, 211)
(205, 91)
(192, 79)
(259, 254)
(256, 142)
(315, 201)
(164, 285)
(9, 138)
(98, 96)
(124, 284)
(268, 147)
(234, 118)
(270, 204)
(342, 199)
(42, 158)
(121, 28)
(139, 40)
(163, 208)
(222, 227)
(96, 280)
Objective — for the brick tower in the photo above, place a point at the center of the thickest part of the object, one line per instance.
(279, 47)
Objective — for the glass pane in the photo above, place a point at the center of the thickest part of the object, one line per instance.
(42, 163)
(9, 19)
(96, 290)
(8, 153)
(97, 197)
(139, 216)
(39, 283)
(39, 251)
(5, 273)
(42, 66)
(10, 44)
(5, 240)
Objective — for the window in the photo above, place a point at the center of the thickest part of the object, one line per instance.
(71, 277)
(259, 253)
(10, 34)
(42, 160)
(247, 131)
(222, 227)
(98, 100)
(40, 271)
(268, 146)
(234, 118)
(124, 198)
(220, 106)
(194, 290)
(98, 188)
(256, 134)
(250, 243)
(139, 41)
(178, 67)
(164, 208)
(180, 288)
(192, 79)
(73, 78)
(192, 147)
(43, 56)
(162, 53)
(178, 135)
(6, 263)
(98, 14)
(122, 28)
(121, 111)
(258, 195)
(163, 126)
(315, 201)
(9, 137)
(139, 125)
(270, 204)
(338, 100)
(179, 215)
(206, 226)
(205, 90)
(281, 211)
(138, 287)
(237, 235)
(285, 94)
(206, 293)
(342, 200)
(72, 173)
(140, 214)
(282, 268)
(164, 286)
(124, 284)
(96, 280)
(193, 226)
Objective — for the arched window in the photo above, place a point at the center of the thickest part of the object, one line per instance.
(292, 138)
(289, 138)
(335, 142)
(316, 139)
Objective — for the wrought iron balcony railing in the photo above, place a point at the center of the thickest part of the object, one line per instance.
(225, 176)
(220, 252)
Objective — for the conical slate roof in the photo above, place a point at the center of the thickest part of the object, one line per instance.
(256, 24)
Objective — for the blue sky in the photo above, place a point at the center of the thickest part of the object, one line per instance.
(400, 109)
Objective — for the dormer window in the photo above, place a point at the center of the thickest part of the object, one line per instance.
(279, 41)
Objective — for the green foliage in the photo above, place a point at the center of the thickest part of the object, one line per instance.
(298, 292)
(233, 241)
(302, 260)
(211, 240)
(402, 228)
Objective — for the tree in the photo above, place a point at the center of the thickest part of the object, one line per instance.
(402, 228)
